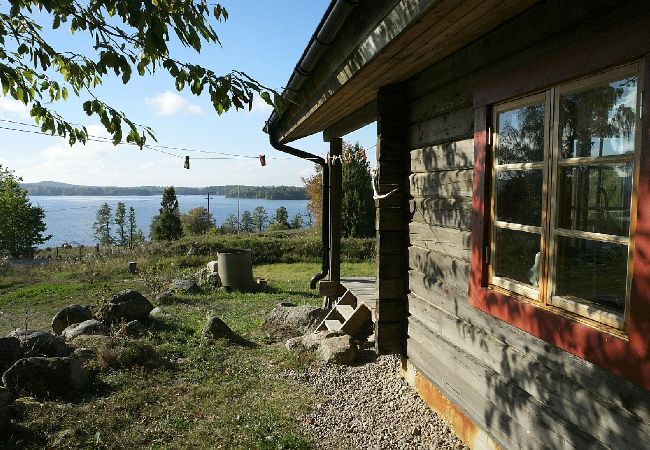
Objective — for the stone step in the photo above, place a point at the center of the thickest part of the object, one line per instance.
(333, 324)
(345, 310)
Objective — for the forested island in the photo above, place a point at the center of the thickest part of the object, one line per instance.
(52, 188)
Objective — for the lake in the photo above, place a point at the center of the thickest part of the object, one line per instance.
(70, 218)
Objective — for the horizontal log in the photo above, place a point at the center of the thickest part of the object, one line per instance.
(449, 156)
(453, 96)
(440, 266)
(609, 388)
(450, 241)
(449, 183)
(452, 126)
(443, 212)
(513, 404)
(608, 424)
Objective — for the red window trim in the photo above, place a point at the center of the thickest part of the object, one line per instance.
(628, 358)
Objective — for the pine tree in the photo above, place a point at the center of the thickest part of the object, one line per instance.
(357, 204)
(132, 226)
(166, 226)
(102, 225)
(297, 221)
(247, 222)
(281, 218)
(120, 221)
(229, 225)
(21, 224)
(260, 219)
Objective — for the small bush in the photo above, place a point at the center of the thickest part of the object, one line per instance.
(125, 353)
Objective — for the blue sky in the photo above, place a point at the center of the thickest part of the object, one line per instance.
(262, 38)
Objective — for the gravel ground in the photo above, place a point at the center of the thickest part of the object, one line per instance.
(370, 406)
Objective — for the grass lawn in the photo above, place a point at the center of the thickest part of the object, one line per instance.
(202, 395)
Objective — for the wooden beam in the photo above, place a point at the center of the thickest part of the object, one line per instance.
(360, 118)
(336, 191)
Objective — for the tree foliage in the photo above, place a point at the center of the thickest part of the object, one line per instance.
(102, 225)
(247, 222)
(197, 221)
(120, 222)
(135, 234)
(357, 204)
(166, 226)
(281, 218)
(21, 224)
(229, 225)
(297, 221)
(119, 37)
(260, 219)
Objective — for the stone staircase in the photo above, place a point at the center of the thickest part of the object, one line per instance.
(348, 315)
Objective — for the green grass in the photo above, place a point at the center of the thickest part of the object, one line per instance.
(203, 396)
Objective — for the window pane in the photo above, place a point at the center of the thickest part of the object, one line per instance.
(596, 198)
(592, 270)
(599, 121)
(519, 196)
(521, 135)
(517, 256)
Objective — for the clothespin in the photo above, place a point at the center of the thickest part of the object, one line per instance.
(187, 162)
(263, 160)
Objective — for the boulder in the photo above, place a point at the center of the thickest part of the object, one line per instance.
(40, 343)
(88, 327)
(10, 352)
(5, 417)
(69, 316)
(132, 329)
(124, 307)
(213, 266)
(215, 329)
(185, 286)
(333, 347)
(165, 296)
(84, 354)
(288, 320)
(206, 278)
(157, 312)
(45, 377)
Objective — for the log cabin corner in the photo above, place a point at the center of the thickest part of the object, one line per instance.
(513, 255)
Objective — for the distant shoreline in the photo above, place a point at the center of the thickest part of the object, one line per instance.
(56, 189)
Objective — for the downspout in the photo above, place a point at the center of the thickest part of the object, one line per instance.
(325, 213)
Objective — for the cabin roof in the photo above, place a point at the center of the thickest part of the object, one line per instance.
(360, 46)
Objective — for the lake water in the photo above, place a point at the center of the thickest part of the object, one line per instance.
(70, 219)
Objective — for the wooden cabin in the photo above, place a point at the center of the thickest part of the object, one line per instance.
(513, 255)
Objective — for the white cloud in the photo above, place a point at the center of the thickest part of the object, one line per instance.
(260, 106)
(169, 103)
(13, 108)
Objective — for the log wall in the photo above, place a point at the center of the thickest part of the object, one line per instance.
(521, 390)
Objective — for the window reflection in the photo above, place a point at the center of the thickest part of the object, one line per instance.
(599, 121)
(521, 135)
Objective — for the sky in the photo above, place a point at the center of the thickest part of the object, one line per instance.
(264, 39)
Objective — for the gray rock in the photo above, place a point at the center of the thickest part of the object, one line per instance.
(288, 320)
(213, 266)
(185, 286)
(206, 278)
(40, 343)
(215, 329)
(133, 329)
(69, 316)
(124, 307)
(84, 354)
(157, 312)
(45, 377)
(165, 296)
(333, 347)
(5, 417)
(10, 352)
(88, 327)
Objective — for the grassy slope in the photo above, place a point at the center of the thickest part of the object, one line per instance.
(206, 396)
